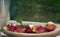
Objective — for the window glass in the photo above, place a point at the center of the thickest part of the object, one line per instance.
(36, 10)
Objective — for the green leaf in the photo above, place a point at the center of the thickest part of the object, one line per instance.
(19, 20)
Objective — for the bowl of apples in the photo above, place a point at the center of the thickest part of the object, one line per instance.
(31, 29)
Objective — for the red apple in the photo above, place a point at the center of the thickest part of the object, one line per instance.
(33, 28)
(40, 29)
(28, 29)
(11, 27)
(20, 29)
(50, 26)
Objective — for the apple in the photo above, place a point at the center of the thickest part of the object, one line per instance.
(50, 26)
(11, 27)
(33, 28)
(40, 29)
(28, 29)
(20, 29)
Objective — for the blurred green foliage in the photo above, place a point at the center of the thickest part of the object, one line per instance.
(36, 10)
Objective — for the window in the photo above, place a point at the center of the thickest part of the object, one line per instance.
(35, 10)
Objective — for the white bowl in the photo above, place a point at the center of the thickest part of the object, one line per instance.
(46, 34)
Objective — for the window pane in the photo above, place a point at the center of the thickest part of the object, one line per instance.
(35, 10)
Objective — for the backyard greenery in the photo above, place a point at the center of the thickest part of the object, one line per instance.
(36, 10)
